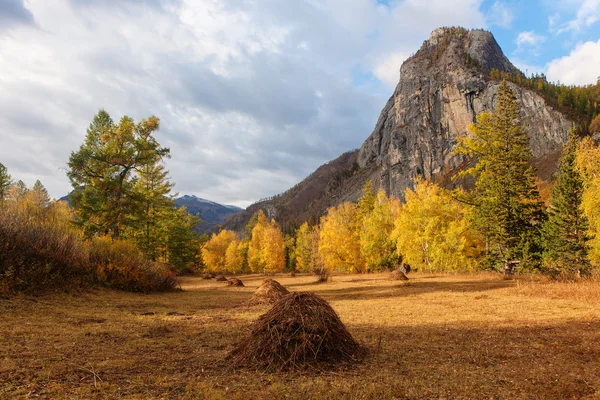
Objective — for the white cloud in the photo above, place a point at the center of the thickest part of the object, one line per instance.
(580, 67)
(529, 39)
(387, 68)
(500, 14)
(246, 91)
(588, 13)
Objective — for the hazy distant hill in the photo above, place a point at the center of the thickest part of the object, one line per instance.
(212, 214)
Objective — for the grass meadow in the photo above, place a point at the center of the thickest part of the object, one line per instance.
(434, 336)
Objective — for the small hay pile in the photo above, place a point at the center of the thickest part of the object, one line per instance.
(398, 275)
(292, 275)
(220, 278)
(301, 331)
(235, 282)
(269, 292)
(208, 276)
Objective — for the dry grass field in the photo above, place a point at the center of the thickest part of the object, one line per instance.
(442, 336)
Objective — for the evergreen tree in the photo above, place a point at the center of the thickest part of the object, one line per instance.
(151, 220)
(508, 210)
(103, 171)
(182, 245)
(566, 231)
(40, 195)
(5, 182)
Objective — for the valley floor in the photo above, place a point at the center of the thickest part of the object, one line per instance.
(435, 336)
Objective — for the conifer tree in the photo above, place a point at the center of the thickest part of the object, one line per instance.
(103, 171)
(508, 211)
(566, 230)
(5, 182)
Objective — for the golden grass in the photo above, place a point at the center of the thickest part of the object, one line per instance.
(435, 336)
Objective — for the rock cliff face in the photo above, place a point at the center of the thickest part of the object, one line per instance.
(441, 90)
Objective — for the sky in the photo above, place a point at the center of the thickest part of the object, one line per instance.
(253, 95)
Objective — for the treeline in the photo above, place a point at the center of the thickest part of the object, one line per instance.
(500, 224)
(580, 103)
(122, 228)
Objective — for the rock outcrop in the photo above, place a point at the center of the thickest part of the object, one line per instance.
(441, 90)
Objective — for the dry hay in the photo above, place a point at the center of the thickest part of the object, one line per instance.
(269, 292)
(220, 278)
(398, 275)
(292, 275)
(301, 331)
(208, 276)
(235, 282)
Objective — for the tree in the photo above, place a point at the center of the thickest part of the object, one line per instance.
(103, 171)
(266, 249)
(5, 182)
(234, 257)
(339, 239)
(431, 231)
(182, 244)
(36, 201)
(508, 211)
(307, 249)
(214, 252)
(153, 217)
(587, 162)
(566, 230)
(16, 195)
(376, 245)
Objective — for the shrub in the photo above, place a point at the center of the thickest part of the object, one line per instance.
(120, 264)
(34, 255)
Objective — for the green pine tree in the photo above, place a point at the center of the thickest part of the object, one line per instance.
(104, 171)
(149, 222)
(5, 182)
(508, 211)
(565, 232)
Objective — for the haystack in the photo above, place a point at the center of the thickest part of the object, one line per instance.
(301, 331)
(235, 282)
(292, 275)
(268, 293)
(398, 275)
(220, 278)
(208, 276)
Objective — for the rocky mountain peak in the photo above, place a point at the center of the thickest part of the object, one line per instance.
(442, 88)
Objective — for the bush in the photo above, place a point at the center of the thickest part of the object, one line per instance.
(120, 265)
(34, 256)
(37, 255)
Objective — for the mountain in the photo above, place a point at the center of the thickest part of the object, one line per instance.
(212, 214)
(442, 87)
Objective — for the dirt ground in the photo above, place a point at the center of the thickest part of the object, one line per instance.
(442, 336)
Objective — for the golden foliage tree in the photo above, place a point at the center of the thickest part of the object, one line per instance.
(587, 162)
(339, 239)
(214, 252)
(307, 249)
(376, 245)
(266, 250)
(431, 231)
(234, 257)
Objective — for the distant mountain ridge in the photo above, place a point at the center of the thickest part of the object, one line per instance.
(211, 213)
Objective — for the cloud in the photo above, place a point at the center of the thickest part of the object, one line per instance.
(252, 96)
(13, 13)
(588, 14)
(500, 14)
(529, 39)
(580, 67)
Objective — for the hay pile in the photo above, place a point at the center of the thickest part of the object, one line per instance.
(220, 278)
(269, 292)
(398, 275)
(301, 331)
(208, 276)
(235, 282)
